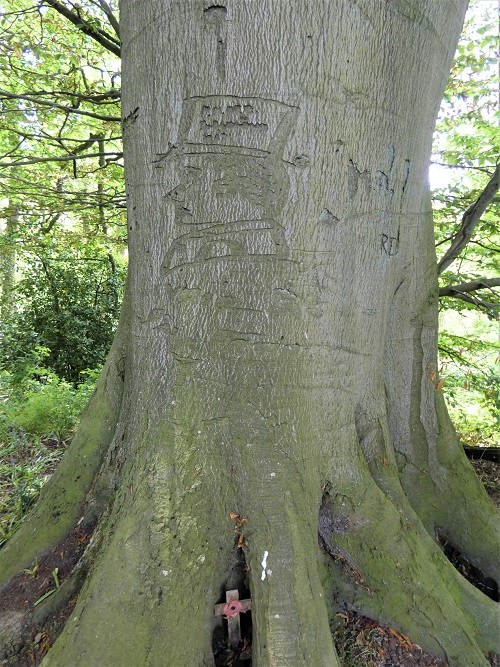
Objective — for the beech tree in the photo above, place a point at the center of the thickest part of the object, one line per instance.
(270, 415)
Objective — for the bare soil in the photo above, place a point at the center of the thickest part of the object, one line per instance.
(37, 583)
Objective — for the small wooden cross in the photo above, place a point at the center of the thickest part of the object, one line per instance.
(232, 610)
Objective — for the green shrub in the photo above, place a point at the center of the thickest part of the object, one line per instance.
(39, 403)
(66, 302)
(38, 414)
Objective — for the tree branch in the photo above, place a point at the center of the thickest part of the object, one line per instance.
(45, 229)
(111, 17)
(486, 169)
(469, 221)
(462, 292)
(485, 305)
(85, 27)
(66, 158)
(111, 96)
(55, 105)
(451, 290)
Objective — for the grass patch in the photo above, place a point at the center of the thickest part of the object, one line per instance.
(26, 463)
(356, 646)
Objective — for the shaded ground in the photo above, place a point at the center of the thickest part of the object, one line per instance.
(38, 626)
(361, 642)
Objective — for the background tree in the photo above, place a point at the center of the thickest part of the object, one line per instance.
(62, 183)
(466, 212)
(70, 301)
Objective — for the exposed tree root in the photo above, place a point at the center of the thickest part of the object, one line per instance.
(430, 463)
(153, 568)
(163, 553)
(168, 552)
(451, 502)
(462, 510)
(389, 568)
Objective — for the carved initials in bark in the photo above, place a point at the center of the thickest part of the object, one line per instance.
(389, 245)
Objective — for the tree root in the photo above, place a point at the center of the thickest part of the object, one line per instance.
(389, 568)
(166, 547)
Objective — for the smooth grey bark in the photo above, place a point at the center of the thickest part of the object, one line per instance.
(282, 341)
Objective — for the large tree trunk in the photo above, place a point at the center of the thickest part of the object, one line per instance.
(279, 344)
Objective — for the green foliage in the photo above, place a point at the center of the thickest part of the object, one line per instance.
(471, 372)
(62, 228)
(67, 301)
(467, 143)
(466, 148)
(62, 213)
(60, 133)
(25, 465)
(40, 404)
(38, 414)
(468, 125)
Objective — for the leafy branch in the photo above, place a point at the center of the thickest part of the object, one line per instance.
(4, 94)
(486, 169)
(65, 158)
(463, 291)
(111, 17)
(471, 286)
(111, 96)
(101, 36)
(469, 221)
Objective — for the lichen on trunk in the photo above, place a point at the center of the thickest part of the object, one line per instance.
(280, 344)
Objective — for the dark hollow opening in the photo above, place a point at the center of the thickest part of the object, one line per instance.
(226, 655)
(486, 585)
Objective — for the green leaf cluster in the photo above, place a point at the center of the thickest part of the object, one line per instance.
(67, 302)
(39, 413)
(467, 149)
(62, 208)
